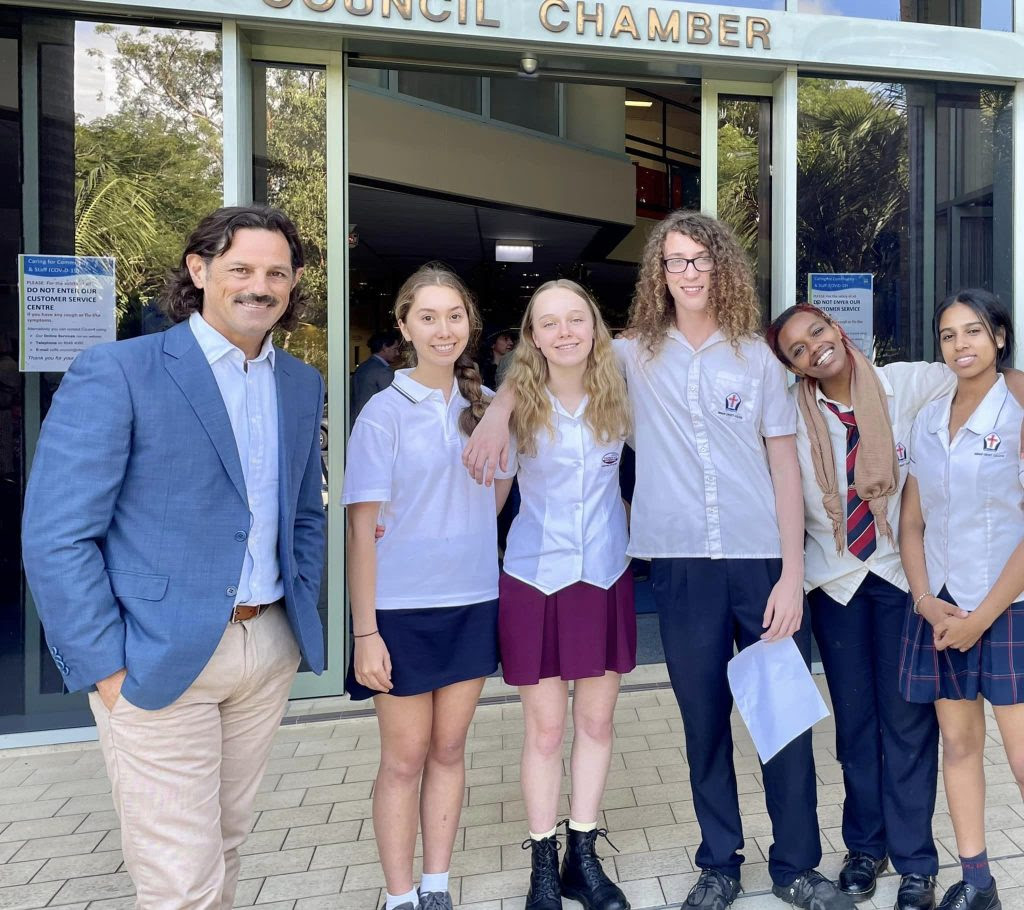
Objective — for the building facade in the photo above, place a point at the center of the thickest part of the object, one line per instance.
(514, 139)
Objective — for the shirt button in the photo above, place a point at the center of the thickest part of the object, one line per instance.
(231, 591)
(240, 535)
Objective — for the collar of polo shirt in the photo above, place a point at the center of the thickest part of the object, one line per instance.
(985, 416)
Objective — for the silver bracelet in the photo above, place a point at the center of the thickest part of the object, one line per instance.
(919, 599)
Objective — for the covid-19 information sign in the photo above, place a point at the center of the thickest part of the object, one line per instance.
(67, 305)
(848, 297)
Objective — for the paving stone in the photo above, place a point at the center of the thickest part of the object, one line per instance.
(79, 866)
(25, 811)
(111, 841)
(95, 887)
(664, 837)
(87, 786)
(289, 818)
(370, 899)
(41, 827)
(96, 802)
(247, 892)
(294, 885)
(495, 885)
(99, 821)
(280, 799)
(353, 853)
(265, 841)
(643, 893)
(315, 835)
(9, 849)
(260, 865)
(338, 793)
(652, 864)
(28, 897)
(345, 759)
(644, 816)
(19, 873)
(356, 808)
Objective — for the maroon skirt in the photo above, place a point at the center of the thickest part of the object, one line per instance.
(578, 632)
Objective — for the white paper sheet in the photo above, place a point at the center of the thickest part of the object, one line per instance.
(775, 694)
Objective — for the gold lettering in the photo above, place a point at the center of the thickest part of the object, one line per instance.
(355, 10)
(463, 12)
(433, 17)
(321, 6)
(761, 28)
(481, 15)
(278, 4)
(583, 17)
(545, 10)
(624, 22)
(728, 29)
(404, 8)
(698, 28)
(667, 32)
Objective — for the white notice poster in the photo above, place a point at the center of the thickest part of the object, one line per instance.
(67, 305)
(848, 297)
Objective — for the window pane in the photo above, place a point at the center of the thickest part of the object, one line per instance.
(529, 103)
(991, 14)
(461, 92)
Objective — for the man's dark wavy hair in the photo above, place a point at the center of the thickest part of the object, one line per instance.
(212, 238)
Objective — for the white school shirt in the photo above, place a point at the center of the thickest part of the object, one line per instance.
(972, 497)
(571, 525)
(908, 387)
(250, 397)
(440, 544)
(703, 487)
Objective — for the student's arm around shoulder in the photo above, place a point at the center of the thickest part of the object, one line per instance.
(79, 466)
(487, 449)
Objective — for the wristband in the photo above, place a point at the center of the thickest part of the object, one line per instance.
(367, 634)
(918, 600)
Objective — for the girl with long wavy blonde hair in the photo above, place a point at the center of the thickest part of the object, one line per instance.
(565, 604)
(426, 635)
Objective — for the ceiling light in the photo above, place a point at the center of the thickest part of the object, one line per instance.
(513, 251)
(631, 103)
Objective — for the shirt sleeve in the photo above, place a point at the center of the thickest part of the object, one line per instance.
(623, 348)
(920, 423)
(917, 383)
(778, 412)
(369, 463)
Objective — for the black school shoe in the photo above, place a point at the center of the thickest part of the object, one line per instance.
(545, 889)
(810, 890)
(714, 891)
(859, 875)
(964, 896)
(917, 892)
(583, 879)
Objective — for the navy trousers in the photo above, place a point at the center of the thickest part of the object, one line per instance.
(889, 748)
(707, 608)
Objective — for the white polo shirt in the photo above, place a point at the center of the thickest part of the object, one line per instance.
(440, 547)
(908, 387)
(571, 525)
(703, 488)
(972, 496)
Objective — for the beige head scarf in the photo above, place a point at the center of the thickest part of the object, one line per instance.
(876, 473)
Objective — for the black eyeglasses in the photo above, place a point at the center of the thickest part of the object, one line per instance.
(678, 264)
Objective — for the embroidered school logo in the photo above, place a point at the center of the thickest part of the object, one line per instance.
(992, 442)
(733, 402)
(901, 453)
(610, 459)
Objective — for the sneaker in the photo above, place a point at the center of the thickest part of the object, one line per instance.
(434, 900)
(408, 905)
(964, 896)
(810, 890)
(714, 891)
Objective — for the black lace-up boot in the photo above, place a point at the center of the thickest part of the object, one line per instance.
(583, 879)
(545, 891)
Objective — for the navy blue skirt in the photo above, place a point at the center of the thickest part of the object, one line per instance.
(435, 647)
(993, 668)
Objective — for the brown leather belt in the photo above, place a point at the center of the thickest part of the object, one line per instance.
(243, 612)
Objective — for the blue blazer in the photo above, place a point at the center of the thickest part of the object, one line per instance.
(136, 514)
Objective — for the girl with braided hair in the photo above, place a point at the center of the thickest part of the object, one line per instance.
(424, 596)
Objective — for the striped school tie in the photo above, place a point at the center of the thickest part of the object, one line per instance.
(860, 523)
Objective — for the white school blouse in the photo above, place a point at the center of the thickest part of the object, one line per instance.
(571, 525)
(908, 387)
(972, 497)
(440, 546)
(703, 487)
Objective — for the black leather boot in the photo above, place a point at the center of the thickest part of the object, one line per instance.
(545, 891)
(583, 879)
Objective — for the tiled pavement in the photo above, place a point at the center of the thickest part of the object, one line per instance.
(312, 842)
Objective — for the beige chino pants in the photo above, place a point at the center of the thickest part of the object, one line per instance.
(184, 777)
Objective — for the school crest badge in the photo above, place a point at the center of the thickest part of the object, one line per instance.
(901, 453)
(992, 442)
(733, 402)
(609, 458)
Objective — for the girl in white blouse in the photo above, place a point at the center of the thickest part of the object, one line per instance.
(566, 598)
(962, 544)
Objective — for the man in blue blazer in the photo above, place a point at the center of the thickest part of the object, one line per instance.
(173, 541)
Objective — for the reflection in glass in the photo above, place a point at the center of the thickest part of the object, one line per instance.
(910, 182)
(532, 104)
(989, 14)
(448, 89)
(290, 173)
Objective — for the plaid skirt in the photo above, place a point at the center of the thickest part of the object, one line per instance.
(994, 667)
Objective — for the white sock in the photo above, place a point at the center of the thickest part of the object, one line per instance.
(396, 900)
(576, 826)
(434, 881)
(545, 835)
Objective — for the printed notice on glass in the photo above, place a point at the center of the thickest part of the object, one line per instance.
(848, 297)
(67, 305)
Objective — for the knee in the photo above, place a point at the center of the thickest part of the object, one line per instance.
(545, 738)
(404, 765)
(595, 727)
(448, 751)
(960, 747)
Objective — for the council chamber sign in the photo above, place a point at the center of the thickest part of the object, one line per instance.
(67, 305)
(848, 297)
